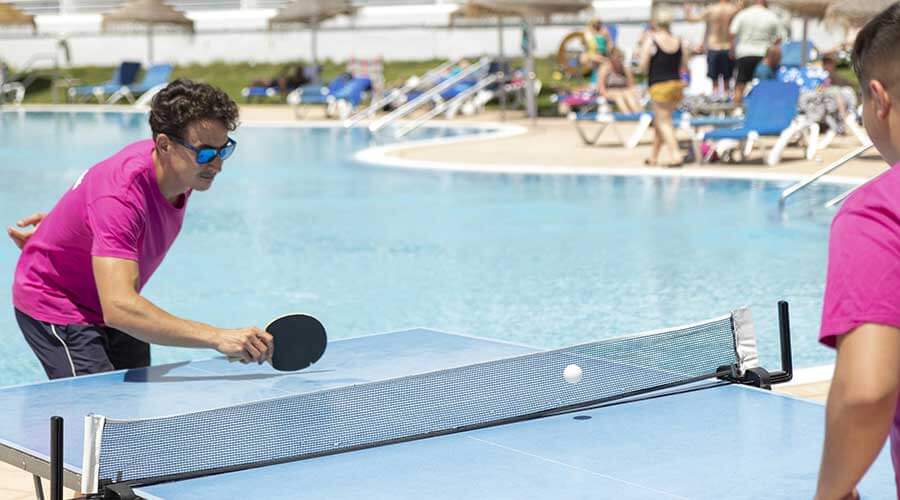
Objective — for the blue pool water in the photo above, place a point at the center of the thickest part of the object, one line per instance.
(295, 224)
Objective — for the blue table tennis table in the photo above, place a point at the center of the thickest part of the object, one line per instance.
(706, 440)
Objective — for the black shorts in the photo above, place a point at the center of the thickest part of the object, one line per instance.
(719, 63)
(746, 66)
(71, 350)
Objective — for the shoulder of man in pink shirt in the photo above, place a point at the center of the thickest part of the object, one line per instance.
(863, 277)
(137, 155)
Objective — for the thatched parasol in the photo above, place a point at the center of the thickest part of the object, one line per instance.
(311, 13)
(857, 12)
(531, 8)
(810, 9)
(147, 14)
(12, 16)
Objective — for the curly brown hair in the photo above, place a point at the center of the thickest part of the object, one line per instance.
(183, 102)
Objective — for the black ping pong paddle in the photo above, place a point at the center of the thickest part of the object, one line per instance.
(299, 341)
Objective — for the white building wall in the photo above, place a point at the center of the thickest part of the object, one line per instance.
(391, 32)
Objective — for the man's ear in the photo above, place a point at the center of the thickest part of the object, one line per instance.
(881, 98)
(163, 143)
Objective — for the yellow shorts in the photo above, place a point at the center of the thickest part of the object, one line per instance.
(671, 92)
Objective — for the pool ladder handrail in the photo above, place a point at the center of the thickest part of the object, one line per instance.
(787, 193)
(428, 78)
(445, 105)
(416, 103)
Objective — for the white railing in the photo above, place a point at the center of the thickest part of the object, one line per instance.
(426, 81)
(787, 193)
(446, 105)
(428, 96)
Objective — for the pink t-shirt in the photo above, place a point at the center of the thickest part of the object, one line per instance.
(863, 283)
(115, 209)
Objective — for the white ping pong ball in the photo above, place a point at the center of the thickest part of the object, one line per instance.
(572, 374)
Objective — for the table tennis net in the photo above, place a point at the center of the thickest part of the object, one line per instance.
(359, 416)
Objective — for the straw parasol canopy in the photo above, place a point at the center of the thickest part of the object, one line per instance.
(472, 10)
(311, 13)
(814, 9)
(857, 12)
(11, 16)
(528, 8)
(147, 14)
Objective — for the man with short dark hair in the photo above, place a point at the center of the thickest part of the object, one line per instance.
(753, 31)
(77, 284)
(861, 310)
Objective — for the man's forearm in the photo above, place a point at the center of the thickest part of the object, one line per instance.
(854, 435)
(143, 320)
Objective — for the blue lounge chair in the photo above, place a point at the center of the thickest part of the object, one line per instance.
(311, 75)
(156, 77)
(682, 121)
(344, 100)
(792, 53)
(609, 120)
(316, 94)
(260, 92)
(771, 111)
(125, 74)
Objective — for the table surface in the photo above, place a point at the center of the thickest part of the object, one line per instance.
(708, 440)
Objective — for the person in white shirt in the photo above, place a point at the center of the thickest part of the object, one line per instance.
(753, 31)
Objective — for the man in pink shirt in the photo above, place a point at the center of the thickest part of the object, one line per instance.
(77, 284)
(861, 313)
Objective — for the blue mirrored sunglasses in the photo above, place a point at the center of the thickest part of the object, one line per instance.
(207, 154)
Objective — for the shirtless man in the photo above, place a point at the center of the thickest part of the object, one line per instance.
(719, 58)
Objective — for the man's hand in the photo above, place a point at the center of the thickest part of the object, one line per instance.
(247, 344)
(20, 236)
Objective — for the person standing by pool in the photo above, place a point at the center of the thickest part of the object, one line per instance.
(719, 59)
(861, 310)
(663, 57)
(77, 284)
(753, 31)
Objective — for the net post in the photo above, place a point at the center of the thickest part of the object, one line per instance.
(784, 330)
(56, 458)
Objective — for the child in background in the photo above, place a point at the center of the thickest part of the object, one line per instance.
(768, 68)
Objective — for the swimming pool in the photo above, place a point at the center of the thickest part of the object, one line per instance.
(296, 224)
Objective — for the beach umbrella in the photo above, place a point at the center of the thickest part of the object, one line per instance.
(806, 9)
(311, 13)
(528, 10)
(809, 9)
(533, 8)
(12, 16)
(147, 15)
(857, 12)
